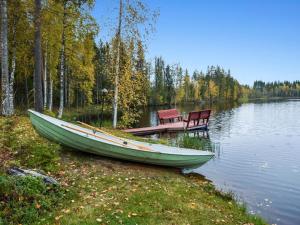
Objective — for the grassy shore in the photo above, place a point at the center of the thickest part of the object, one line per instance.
(98, 190)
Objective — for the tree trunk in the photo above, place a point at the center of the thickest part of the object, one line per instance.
(66, 86)
(62, 67)
(69, 91)
(50, 92)
(115, 102)
(38, 58)
(45, 81)
(97, 88)
(50, 95)
(13, 67)
(26, 91)
(6, 108)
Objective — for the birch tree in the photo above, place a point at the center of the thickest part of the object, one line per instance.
(78, 28)
(7, 108)
(118, 37)
(137, 21)
(62, 62)
(45, 80)
(15, 19)
(51, 42)
(38, 104)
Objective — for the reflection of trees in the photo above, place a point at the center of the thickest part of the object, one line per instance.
(221, 123)
(149, 116)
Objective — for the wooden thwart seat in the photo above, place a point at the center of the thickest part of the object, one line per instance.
(168, 115)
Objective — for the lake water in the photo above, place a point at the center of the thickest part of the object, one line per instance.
(259, 156)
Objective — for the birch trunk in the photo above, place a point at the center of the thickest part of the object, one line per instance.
(38, 58)
(13, 68)
(6, 109)
(26, 91)
(50, 92)
(115, 102)
(45, 81)
(50, 95)
(66, 86)
(62, 67)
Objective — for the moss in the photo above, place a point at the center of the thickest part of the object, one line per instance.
(25, 200)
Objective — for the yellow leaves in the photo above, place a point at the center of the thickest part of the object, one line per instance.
(192, 205)
(58, 217)
(37, 206)
(130, 214)
(213, 89)
(66, 211)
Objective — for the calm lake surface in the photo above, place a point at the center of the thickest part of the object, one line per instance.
(258, 158)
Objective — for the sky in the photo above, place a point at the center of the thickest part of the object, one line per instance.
(255, 39)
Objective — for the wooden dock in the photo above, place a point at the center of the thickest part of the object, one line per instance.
(165, 128)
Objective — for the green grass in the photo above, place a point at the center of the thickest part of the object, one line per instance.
(25, 147)
(98, 190)
(196, 142)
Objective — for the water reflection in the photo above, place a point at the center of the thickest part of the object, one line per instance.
(258, 156)
(149, 116)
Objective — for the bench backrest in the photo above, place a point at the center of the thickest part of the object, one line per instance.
(196, 116)
(205, 114)
(167, 114)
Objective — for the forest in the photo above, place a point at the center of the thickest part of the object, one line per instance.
(52, 59)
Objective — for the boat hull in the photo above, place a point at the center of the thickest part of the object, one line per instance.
(60, 134)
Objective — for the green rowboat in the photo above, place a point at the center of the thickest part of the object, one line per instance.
(101, 143)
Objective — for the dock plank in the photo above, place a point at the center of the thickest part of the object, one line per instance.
(164, 128)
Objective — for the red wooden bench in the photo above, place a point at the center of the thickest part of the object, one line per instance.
(168, 115)
(196, 117)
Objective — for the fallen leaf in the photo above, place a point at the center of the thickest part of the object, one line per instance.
(58, 217)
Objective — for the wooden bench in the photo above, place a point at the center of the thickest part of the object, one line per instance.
(196, 117)
(168, 115)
